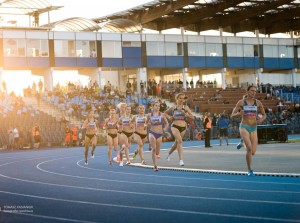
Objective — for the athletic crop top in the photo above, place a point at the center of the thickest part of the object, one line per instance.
(156, 119)
(126, 121)
(250, 110)
(91, 125)
(178, 114)
(140, 121)
(111, 124)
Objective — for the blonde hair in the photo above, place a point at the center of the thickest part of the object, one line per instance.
(179, 94)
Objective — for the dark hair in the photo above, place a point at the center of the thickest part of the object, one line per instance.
(250, 86)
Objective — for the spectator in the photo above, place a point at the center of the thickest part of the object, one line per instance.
(222, 128)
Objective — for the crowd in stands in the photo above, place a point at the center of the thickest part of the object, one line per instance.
(75, 101)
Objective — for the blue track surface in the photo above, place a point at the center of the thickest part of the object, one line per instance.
(55, 186)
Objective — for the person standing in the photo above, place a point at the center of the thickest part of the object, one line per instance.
(178, 114)
(222, 127)
(91, 127)
(253, 113)
(207, 129)
(36, 133)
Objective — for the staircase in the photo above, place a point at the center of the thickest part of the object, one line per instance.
(49, 109)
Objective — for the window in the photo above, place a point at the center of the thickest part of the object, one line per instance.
(64, 48)
(85, 48)
(155, 49)
(270, 50)
(111, 49)
(196, 49)
(234, 50)
(286, 52)
(37, 48)
(14, 47)
(131, 44)
(174, 49)
(214, 49)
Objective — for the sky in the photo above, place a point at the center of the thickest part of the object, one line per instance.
(90, 8)
(75, 8)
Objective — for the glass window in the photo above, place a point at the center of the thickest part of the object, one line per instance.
(286, 52)
(155, 49)
(131, 44)
(270, 50)
(174, 49)
(64, 48)
(250, 50)
(37, 48)
(214, 49)
(85, 48)
(14, 47)
(196, 49)
(234, 50)
(111, 49)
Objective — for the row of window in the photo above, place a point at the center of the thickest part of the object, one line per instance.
(113, 49)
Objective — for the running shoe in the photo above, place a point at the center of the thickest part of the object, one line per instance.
(168, 158)
(239, 146)
(128, 163)
(143, 162)
(251, 173)
(93, 156)
(86, 163)
(155, 168)
(121, 163)
(181, 163)
(135, 154)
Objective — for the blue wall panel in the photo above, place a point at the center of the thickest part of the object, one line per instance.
(132, 62)
(271, 63)
(15, 62)
(65, 62)
(132, 52)
(214, 62)
(196, 61)
(287, 63)
(174, 61)
(38, 62)
(112, 62)
(156, 61)
(86, 62)
(235, 62)
(251, 62)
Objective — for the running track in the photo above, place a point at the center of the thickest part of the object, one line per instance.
(54, 186)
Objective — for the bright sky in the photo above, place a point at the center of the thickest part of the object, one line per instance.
(91, 8)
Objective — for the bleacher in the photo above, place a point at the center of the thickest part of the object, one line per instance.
(203, 99)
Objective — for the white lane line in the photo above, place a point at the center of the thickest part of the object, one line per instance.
(153, 209)
(167, 185)
(153, 194)
(49, 217)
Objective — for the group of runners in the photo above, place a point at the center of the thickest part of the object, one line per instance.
(121, 127)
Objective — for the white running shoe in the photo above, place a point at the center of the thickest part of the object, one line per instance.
(121, 163)
(181, 163)
(93, 155)
(86, 163)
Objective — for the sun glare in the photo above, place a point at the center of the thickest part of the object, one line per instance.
(17, 81)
